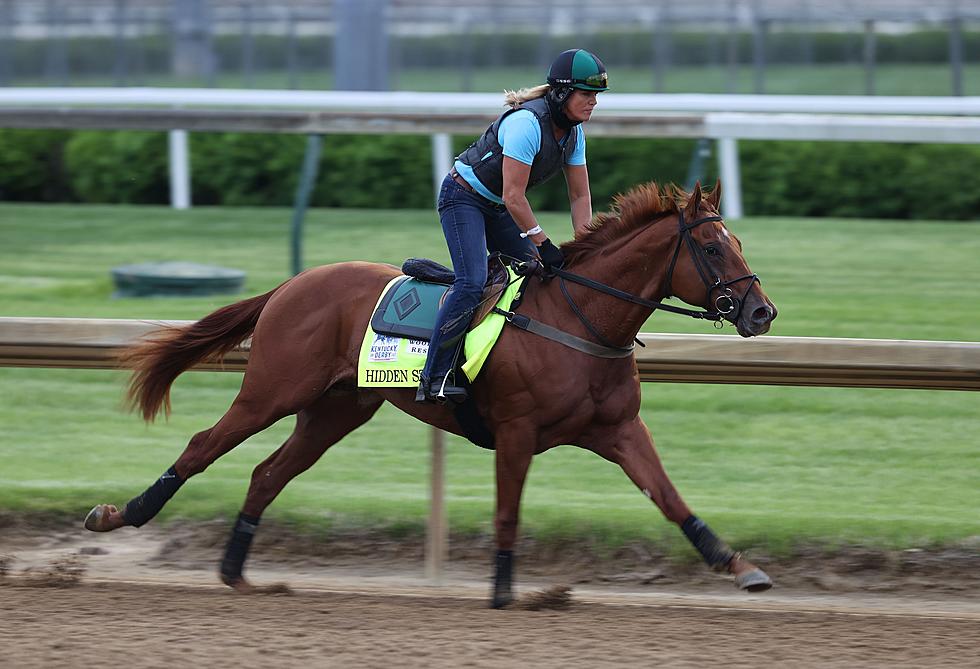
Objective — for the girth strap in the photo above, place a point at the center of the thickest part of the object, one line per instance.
(570, 340)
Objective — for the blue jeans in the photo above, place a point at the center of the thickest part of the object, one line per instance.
(473, 227)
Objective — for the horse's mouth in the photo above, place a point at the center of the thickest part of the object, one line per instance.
(755, 322)
(751, 331)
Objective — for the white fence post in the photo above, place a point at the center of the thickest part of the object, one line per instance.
(441, 157)
(731, 178)
(180, 172)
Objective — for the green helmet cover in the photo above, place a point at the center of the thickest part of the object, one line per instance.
(580, 69)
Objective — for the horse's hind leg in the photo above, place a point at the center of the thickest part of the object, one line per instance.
(631, 447)
(318, 427)
(243, 419)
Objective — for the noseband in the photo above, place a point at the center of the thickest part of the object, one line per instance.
(726, 304)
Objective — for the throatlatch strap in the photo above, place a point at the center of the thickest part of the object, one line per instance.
(140, 510)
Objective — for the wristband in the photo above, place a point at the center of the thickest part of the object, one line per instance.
(533, 231)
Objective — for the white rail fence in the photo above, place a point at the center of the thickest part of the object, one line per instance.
(800, 361)
(682, 358)
(724, 118)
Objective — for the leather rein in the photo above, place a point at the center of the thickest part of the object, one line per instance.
(727, 304)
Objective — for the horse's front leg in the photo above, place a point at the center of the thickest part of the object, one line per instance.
(631, 447)
(515, 448)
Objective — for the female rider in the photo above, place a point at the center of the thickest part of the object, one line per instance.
(483, 203)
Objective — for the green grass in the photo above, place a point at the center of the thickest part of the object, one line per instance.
(765, 466)
(824, 79)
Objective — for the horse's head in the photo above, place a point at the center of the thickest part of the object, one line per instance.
(708, 268)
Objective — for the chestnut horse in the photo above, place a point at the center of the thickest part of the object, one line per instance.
(534, 392)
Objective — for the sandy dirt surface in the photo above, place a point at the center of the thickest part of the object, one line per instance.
(150, 598)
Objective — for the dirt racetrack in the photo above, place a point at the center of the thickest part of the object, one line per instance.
(147, 599)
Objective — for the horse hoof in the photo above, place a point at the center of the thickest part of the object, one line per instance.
(238, 584)
(97, 519)
(754, 580)
(501, 601)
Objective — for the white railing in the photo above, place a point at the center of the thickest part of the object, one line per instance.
(797, 361)
(725, 118)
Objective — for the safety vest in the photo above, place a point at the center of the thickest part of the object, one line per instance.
(486, 155)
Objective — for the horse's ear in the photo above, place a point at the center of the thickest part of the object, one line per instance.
(715, 198)
(693, 202)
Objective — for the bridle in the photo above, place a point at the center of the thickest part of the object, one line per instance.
(727, 306)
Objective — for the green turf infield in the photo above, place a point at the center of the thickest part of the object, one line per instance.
(766, 466)
(816, 79)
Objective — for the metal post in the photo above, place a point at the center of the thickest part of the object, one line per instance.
(759, 54)
(56, 63)
(441, 160)
(465, 41)
(869, 57)
(180, 173)
(120, 65)
(191, 55)
(731, 50)
(956, 53)
(6, 41)
(292, 54)
(731, 180)
(544, 43)
(360, 45)
(661, 52)
(437, 531)
(307, 179)
(248, 47)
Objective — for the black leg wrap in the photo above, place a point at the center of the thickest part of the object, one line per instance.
(237, 549)
(140, 510)
(714, 551)
(503, 580)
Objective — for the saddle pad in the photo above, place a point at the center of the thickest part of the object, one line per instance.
(408, 308)
(390, 361)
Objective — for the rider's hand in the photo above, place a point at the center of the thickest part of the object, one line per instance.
(551, 256)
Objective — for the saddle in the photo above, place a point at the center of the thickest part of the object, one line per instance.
(410, 307)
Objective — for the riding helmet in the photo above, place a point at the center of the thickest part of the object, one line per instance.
(578, 68)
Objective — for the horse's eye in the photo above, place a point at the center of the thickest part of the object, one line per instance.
(712, 250)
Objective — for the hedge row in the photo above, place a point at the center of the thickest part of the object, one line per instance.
(151, 54)
(913, 181)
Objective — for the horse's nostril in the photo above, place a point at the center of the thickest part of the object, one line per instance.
(762, 314)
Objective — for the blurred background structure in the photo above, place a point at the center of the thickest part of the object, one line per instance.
(719, 46)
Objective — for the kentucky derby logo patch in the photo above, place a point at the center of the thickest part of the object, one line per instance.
(383, 349)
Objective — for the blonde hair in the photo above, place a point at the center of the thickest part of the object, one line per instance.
(515, 99)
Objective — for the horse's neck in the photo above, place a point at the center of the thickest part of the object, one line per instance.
(636, 264)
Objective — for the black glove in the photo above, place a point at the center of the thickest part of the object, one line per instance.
(551, 256)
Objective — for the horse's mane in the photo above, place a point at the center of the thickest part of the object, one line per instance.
(642, 205)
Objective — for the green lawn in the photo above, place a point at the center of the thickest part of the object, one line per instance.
(765, 466)
(822, 79)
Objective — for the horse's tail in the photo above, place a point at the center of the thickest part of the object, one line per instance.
(159, 359)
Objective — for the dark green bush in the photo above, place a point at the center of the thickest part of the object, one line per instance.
(387, 171)
(31, 165)
(118, 167)
(859, 180)
(238, 169)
